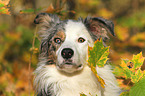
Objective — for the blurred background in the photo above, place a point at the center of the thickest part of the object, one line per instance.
(19, 41)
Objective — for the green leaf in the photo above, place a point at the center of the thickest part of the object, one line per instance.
(131, 69)
(126, 71)
(138, 75)
(30, 10)
(137, 60)
(124, 94)
(82, 94)
(98, 55)
(138, 89)
(119, 72)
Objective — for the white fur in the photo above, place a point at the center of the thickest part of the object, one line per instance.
(73, 31)
(82, 81)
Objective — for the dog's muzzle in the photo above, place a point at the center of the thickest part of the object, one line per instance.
(68, 63)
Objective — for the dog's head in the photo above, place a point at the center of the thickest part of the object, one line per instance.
(65, 43)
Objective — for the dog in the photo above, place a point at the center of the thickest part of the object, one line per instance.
(62, 69)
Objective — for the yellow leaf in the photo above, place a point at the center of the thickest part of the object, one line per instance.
(50, 9)
(97, 76)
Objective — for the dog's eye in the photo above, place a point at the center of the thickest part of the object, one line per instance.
(81, 40)
(57, 40)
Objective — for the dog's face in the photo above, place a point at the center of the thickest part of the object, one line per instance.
(71, 55)
(65, 43)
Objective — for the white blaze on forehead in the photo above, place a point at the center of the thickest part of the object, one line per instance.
(74, 30)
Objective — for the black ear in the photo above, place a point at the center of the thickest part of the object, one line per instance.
(99, 27)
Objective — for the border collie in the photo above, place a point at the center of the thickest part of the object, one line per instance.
(62, 69)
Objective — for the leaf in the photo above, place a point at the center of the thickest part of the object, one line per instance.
(118, 71)
(137, 60)
(138, 89)
(51, 9)
(126, 71)
(4, 7)
(124, 94)
(98, 56)
(82, 94)
(98, 77)
(138, 75)
(30, 10)
(131, 69)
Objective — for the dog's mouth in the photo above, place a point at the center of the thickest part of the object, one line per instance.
(69, 66)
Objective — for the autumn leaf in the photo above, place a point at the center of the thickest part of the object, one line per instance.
(137, 76)
(124, 94)
(4, 7)
(131, 69)
(137, 60)
(59, 10)
(82, 94)
(98, 56)
(50, 9)
(125, 69)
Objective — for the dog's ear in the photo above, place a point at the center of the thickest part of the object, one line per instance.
(46, 23)
(46, 31)
(99, 27)
(46, 18)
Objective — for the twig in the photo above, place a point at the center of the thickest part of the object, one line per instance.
(30, 61)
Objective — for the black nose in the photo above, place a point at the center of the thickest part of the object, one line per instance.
(67, 53)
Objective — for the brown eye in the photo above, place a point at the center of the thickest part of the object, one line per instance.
(81, 40)
(57, 40)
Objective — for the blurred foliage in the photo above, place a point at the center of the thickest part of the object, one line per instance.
(4, 7)
(19, 43)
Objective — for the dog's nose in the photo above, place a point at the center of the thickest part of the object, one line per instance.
(67, 53)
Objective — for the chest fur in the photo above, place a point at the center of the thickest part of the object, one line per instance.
(61, 85)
